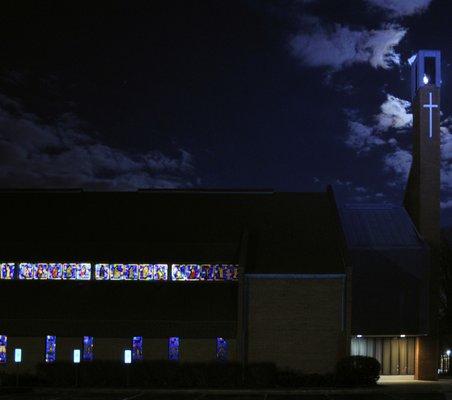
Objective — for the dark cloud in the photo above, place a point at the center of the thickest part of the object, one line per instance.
(34, 153)
(400, 8)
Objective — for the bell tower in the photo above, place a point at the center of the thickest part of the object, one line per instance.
(422, 194)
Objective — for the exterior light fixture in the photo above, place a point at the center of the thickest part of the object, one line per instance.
(425, 79)
(448, 353)
(402, 336)
(127, 356)
(76, 356)
(17, 355)
(359, 336)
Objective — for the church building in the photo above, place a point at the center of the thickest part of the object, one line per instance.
(247, 276)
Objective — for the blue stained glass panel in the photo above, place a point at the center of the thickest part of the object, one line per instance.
(26, 271)
(7, 271)
(83, 271)
(88, 348)
(160, 272)
(102, 272)
(146, 272)
(222, 349)
(173, 349)
(55, 271)
(41, 271)
(50, 349)
(70, 271)
(207, 272)
(131, 272)
(137, 348)
(3, 344)
(193, 272)
(117, 272)
(178, 272)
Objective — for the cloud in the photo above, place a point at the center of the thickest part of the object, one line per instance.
(393, 115)
(398, 161)
(400, 8)
(339, 46)
(61, 154)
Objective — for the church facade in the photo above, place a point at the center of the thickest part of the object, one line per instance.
(246, 276)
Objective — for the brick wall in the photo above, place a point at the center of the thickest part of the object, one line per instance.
(296, 323)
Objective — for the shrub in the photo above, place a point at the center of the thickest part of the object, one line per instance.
(357, 371)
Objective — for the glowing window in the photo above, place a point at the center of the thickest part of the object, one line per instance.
(55, 271)
(173, 349)
(131, 272)
(117, 272)
(76, 356)
(137, 348)
(88, 348)
(127, 356)
(26, 270)
(3, 344)
(102, 272)
(222, 349)
(69, 271)
(50, 349)
(18, 355)
(41, 271)
(146, 272)
(7, 270)
(160, 272)
(207, 272)
(83, 271)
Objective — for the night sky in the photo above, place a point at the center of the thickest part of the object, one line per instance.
(283, 95)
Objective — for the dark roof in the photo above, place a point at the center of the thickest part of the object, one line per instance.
(378, 226)
(288, 232)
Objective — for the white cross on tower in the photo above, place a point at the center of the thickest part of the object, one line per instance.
(430, 107)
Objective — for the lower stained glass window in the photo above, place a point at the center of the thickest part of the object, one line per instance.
(88, 348)
(50, 349)
(3, 343)
(137, 348)
(173, 349)
(26, 271)
(7, 271)
(222, 349)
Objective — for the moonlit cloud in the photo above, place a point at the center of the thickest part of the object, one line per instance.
(339, 46)
(400, 8)
(61, 154)
(394, 117)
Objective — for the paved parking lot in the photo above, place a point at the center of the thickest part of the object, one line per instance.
(137, 395)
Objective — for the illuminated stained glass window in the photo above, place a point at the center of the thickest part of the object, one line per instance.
(26, 270)
(41, 271)
(3, 343)
(69, 271)
(146, 272)
(7, 270)
(131, 272)
(50, 349)
(205, 272)
(83, 271)
(173, 349)
(160, 272)
(117, 272)
(88, 348)
(137, 348)
(55, 271)
(102, 272)
(222, 349)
